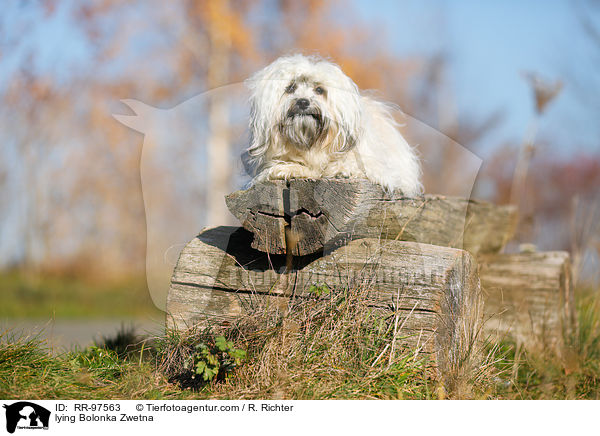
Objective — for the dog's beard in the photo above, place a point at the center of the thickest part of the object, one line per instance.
(303, 129)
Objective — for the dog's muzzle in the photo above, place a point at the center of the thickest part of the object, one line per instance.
(303, 108)
(304, 124)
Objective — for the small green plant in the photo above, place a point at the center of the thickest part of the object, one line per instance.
(318, 290)
(216, 359)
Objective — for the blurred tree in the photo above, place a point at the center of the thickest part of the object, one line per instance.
(434, 102)
(80, 169)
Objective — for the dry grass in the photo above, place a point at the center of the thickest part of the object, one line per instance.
(572, 372)
(332, 347)
(340, 348)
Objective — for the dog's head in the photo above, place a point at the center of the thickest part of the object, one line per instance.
(303, 102)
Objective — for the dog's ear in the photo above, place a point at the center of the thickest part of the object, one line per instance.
(346, 115)
(266, 87)
(257, 123)
(259, 136)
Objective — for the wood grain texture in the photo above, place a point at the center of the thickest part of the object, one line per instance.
(529, 296)
(324, 214)
(434, 289)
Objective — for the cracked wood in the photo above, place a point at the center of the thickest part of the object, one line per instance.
(323, 214)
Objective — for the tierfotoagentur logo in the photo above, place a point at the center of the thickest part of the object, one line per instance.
(26, 415)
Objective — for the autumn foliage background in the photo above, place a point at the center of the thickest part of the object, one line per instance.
(70, 193)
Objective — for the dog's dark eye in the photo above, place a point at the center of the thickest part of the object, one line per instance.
(291, 88)
(319, 90)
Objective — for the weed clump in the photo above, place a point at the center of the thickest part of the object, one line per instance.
(195, 358)
(330, 345)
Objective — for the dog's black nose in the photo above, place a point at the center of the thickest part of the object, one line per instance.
(303, 103)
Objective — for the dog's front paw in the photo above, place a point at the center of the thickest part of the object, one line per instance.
(290, 171)
(343, 175)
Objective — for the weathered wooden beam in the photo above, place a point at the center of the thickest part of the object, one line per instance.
(528, 296)
(434, 289)
(325, 213)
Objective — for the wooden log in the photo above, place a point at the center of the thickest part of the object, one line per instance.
(529, 297)
(434, 289)
(323, 214)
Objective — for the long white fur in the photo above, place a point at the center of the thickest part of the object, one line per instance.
(360, 138)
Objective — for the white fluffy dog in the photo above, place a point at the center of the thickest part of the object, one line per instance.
(308, 120)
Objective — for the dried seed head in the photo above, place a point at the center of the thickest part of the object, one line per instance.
(544, 91)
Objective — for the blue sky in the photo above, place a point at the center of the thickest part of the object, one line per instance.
(489, 44)
(58, 44)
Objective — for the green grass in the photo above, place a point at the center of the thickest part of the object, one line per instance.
(27, 370)
(27, 295)
(324, 348)
(328, 349)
